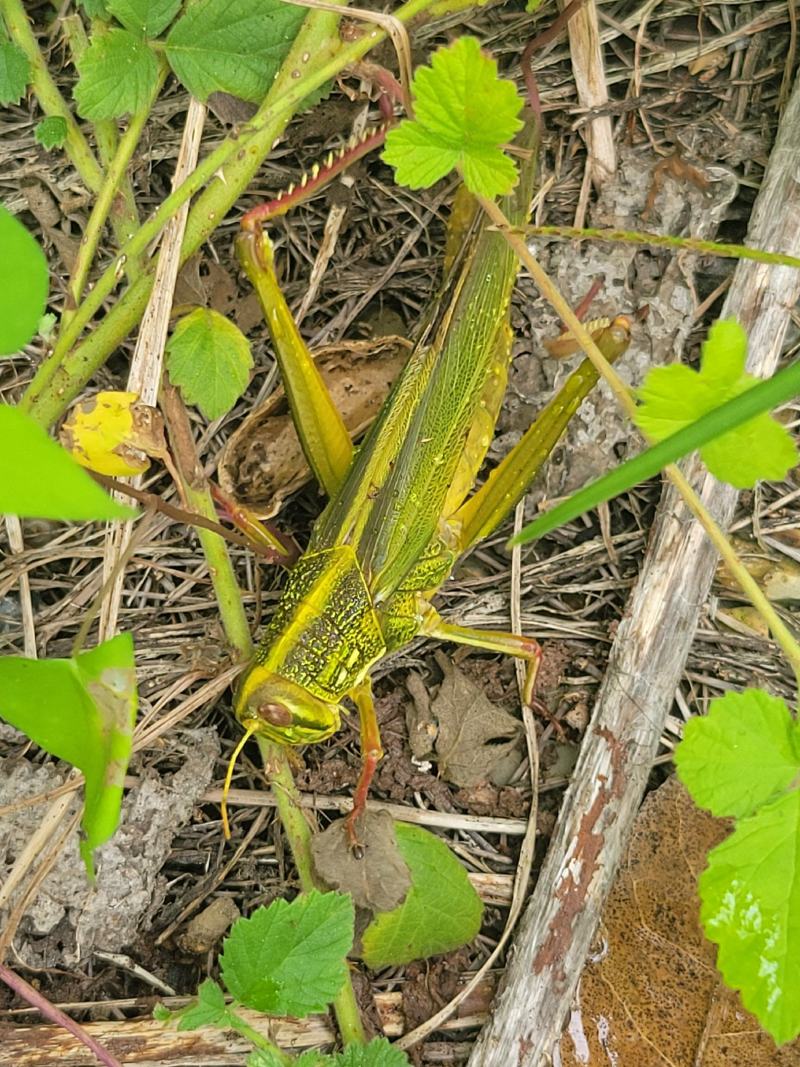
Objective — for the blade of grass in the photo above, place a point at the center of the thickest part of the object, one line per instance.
(761, 398)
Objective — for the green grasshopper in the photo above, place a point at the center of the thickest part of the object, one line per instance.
(399, 513)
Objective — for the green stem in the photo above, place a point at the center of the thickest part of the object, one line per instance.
(50, 99)
(61, 377)
(223, 577)
(658, 240)
(124, 214)
(298, 832)
(237, 1023)
(105, 200)
(718, 538)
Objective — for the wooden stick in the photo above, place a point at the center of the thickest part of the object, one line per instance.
(148, 357)
(590, 81)
(646, 663)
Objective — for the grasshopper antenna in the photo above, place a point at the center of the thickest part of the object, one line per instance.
(226, 827)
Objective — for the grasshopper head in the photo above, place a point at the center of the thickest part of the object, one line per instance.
(284, 711)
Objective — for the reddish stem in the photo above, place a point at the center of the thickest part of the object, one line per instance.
(313, 181)
(55, 1015)
(542, 39)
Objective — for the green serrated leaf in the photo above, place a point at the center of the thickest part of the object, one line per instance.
(740, 755)
(441, 911)
(39, 479)
(264, 1057)
(312, 1058)
(81, 710)
(463, 113)
(232, 46)
(15, 73)
(95, 9)
(51, 132)
(675, 396)
(289, 958)
(148, 17)
(750, 895)
(23, 284)
(378, 1053)
(209, 360)
(210, 1009)
(118, 74)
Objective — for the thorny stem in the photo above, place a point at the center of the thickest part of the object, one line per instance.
(61, 376)
(298, 832)
(105, 200)
(50, 99)
(717, 536)
(658, 240)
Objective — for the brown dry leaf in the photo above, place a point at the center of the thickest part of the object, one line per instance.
(778, 576)
(380, 879)
(743, 620)
(47, 212)
(263, 461)
(420, 720)
(205, 283)
(475, 736)
(653, 998)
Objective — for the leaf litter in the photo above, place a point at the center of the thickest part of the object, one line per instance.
(468, 736)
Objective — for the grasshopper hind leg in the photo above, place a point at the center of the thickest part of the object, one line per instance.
(493, 641)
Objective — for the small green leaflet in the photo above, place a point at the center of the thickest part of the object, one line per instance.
(378, 1053)
(441, 911)
(209, 1009)
(675, 396)
(14, 73)
(463, 113)
(81, 710)
(23, 284)
(40, 480)
(263, 1057)
(741, 759)
(209, 359)
(95, 9)
(740, 755)
(750, 895)
(147, 17)
(118, 74)
(51, 132)
(232, 46)
(289, 958)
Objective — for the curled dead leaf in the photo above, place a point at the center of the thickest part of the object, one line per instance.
(114, 433)
(263, 461)
(380, 879)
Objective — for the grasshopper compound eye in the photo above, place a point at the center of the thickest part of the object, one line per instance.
(275, 714)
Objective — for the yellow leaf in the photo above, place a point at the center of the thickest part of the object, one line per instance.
(113, 433)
